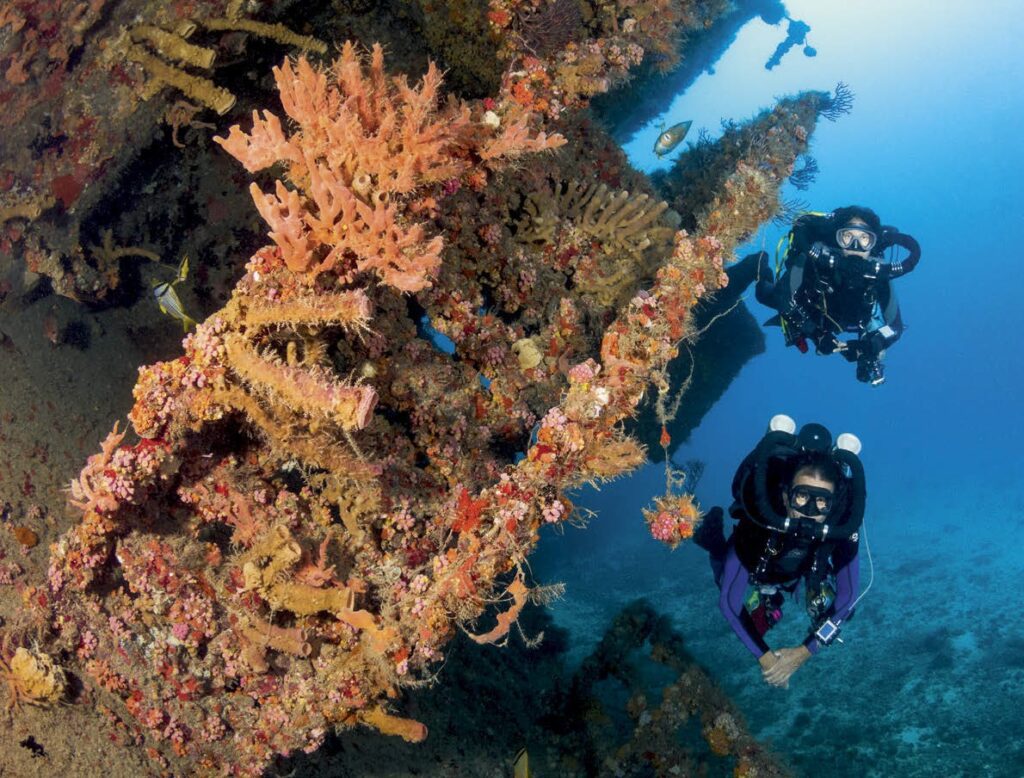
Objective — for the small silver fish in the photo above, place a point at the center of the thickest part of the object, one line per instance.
(168, 299)
(671, 138)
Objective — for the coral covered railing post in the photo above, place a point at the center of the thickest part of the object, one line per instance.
(320, 497)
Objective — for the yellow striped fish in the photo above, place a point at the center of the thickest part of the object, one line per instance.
(168, 299)
(521, 765)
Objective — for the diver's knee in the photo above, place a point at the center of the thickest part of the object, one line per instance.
(717, 569)
(741, 274)
(765, 293)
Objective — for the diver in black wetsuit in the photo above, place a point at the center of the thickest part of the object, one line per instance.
(835, 281)
(800, 502)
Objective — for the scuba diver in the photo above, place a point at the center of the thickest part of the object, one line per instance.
(799, 501)
(834, 280)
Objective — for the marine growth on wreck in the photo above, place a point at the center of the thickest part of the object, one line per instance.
(312, 499)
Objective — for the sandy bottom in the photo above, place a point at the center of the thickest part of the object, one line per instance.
(930, 680)
(57, 401)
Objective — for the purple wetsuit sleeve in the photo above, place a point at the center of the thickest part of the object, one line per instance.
(847, 584)
(735, 580)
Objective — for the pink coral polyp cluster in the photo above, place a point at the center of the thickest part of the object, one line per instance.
(663, 527)
(673, 518)
(112, 476)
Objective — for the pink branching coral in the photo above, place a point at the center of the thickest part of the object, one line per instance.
(365, 143)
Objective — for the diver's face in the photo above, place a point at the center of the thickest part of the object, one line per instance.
(858, 231)
(809, 496)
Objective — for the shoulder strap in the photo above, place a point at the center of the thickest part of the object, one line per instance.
(801, 223)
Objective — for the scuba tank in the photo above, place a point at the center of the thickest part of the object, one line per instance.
(761, 503)
(778, 549)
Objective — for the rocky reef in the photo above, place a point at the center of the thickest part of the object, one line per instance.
(88, 89)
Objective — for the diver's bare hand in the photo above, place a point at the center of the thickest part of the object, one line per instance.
(767, 660)
(788, 662)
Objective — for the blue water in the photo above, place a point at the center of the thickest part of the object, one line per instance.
(930, 680)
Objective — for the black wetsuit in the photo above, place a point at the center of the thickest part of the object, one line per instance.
(771, 548)
(824, 301)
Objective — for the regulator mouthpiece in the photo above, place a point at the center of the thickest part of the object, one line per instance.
(782, 423)
(849, 442)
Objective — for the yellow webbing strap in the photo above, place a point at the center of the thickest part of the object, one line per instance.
(788, 240)
(780, 255)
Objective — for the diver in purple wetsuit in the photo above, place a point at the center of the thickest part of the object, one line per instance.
(800, 502)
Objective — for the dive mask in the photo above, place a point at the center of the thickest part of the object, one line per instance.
(811, 501)
(855, 239)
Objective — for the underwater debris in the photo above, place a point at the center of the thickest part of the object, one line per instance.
(659, 739)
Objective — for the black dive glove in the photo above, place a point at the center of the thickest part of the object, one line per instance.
(826, 343)
(853, 350)
(872, 344)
